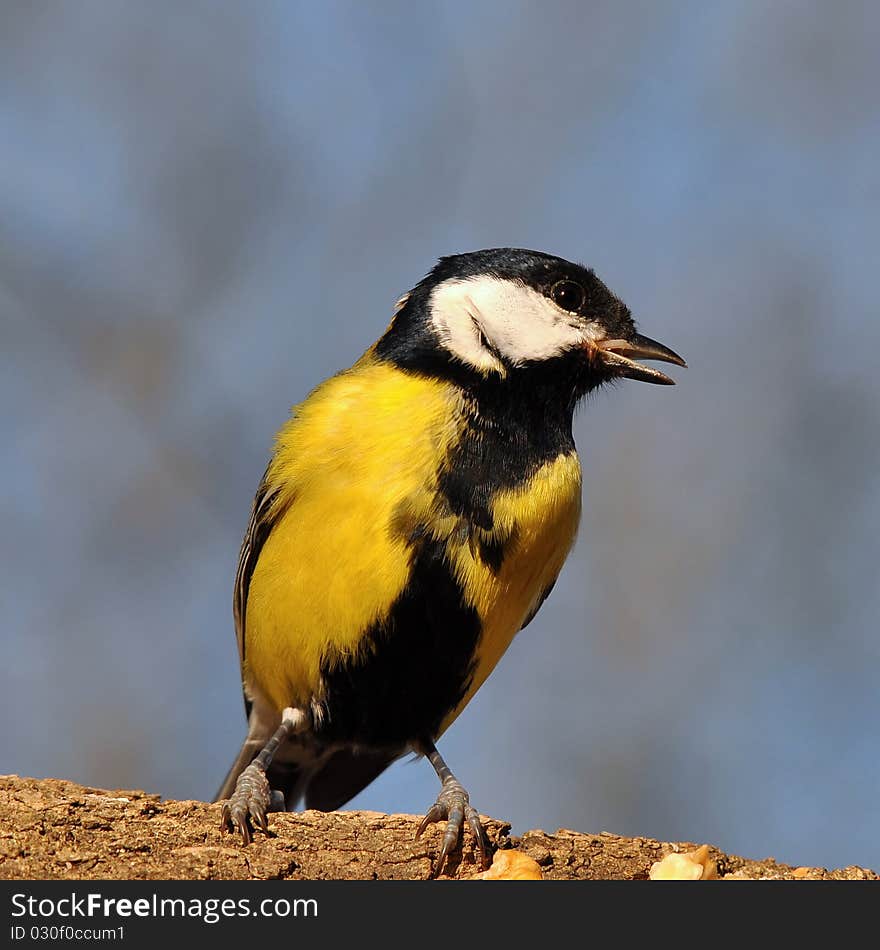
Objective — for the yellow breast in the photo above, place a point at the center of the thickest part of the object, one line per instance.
(361, 444)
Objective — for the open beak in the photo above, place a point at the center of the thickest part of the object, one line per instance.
(620, 356)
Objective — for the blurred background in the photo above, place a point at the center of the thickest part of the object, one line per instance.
(206, 208)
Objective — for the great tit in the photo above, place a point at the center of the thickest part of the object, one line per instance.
(414, 516)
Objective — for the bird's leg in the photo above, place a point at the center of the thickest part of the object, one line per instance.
(252, 798)
(453, 806)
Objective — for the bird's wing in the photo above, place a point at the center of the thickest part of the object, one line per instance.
(263, 517)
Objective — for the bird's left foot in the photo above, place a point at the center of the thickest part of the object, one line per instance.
(453, 806)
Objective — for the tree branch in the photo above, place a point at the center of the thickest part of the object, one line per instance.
(57, 829)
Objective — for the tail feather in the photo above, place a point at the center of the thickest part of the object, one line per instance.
(343, 775)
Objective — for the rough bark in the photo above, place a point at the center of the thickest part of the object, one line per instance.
(57, 829)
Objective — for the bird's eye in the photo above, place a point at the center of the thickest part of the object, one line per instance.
(568, 295)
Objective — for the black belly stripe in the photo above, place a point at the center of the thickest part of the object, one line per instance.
(417, 665)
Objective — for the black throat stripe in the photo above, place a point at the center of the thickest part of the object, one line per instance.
(512, 427)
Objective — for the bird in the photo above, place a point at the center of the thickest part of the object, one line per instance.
(415, 514)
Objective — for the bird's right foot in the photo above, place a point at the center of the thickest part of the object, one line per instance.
(250, 803)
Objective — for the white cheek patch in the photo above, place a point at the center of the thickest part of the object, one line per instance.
(456, 318)
(481, 318)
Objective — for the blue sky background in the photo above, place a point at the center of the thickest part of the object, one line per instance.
(206, 208)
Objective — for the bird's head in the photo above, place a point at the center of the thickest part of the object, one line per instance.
(508, 311)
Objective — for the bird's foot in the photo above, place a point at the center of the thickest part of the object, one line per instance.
(250, 803)
(453, 806)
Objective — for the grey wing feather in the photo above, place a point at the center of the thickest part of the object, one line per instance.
(264, 515)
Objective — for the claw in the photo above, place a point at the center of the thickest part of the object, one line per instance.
(435, 813)
(453, 805)
(484, 845)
